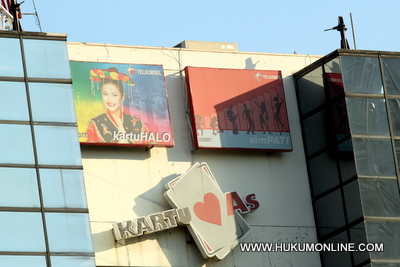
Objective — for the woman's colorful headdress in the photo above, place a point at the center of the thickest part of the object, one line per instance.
(98, 75)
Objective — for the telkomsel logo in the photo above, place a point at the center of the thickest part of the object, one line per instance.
(211, 216)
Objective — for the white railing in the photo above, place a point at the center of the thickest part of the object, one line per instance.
(6, 19)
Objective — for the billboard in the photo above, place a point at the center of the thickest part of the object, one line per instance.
(238, 109)
(121, 104)
(334, 85)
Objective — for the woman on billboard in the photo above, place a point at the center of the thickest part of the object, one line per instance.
(113, 126)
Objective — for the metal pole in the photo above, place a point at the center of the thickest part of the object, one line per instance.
(14, 11)
(352, 30)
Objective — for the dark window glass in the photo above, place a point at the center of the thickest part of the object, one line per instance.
(387, 233)
(358, 236)
(347, 167)
(397, 145)
(337, 258)
(340, 119)
(324, 173)
(333, 66)
(316, 132)
(311, 90)
(367, 116)
(361, 75)
(345, 146)
(394, 107)
(330, 214)
(392, 75)
(353, 202)
(374, 157)
(380, 197)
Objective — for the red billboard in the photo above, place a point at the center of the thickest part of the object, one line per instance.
(238, 109)
(334, 84)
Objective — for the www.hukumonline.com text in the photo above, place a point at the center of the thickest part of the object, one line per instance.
(309, 247)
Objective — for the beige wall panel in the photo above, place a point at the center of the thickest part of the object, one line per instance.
(280, 235)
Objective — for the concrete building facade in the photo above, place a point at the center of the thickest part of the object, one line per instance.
(125, 182)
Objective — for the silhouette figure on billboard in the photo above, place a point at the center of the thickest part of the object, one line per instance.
(277, 112)
(215, 126)
(247, 113)
(263, 116)
(232, 118)
(199, 124)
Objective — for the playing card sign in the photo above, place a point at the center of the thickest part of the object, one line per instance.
(214, 228)
(211, 216)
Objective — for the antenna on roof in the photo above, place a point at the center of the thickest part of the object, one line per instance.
(342, 28)
(16, 13)
(36, 15)
(352, 30)
(10, 14)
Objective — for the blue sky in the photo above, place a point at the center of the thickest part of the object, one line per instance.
(255, 25)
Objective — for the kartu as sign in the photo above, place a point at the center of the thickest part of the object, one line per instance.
(213, 218)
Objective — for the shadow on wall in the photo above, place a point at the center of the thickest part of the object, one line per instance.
(169, 240)
(249, 64)
(153, 200)
(177, 95)
(114, 152)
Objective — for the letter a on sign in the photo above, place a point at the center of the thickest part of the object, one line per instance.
(215, 231)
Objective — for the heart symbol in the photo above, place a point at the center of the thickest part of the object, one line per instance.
(210, 210)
